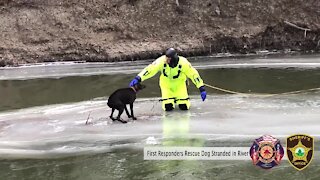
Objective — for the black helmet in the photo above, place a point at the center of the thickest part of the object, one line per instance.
(172, 53)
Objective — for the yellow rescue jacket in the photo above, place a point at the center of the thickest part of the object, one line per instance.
(169, 75)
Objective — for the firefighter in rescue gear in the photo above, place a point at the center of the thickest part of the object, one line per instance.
(174, 71)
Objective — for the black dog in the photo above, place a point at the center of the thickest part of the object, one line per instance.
(120, 98)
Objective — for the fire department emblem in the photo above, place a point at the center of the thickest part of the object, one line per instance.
(266, 152)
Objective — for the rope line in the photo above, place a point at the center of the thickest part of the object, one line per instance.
(260, 94)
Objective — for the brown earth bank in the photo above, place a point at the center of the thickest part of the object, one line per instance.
(118, 30)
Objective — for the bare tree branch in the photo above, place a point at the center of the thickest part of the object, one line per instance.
(295, 26)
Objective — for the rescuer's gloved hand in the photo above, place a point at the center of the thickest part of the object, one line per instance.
(135, 81)
(203, 93)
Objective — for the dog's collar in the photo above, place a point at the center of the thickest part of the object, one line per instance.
(134, 89)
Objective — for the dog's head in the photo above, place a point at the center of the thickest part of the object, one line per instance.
(139, 87)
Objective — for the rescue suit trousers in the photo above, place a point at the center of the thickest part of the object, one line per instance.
(174, 92)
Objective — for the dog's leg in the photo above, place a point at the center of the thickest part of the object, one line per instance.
(125, 108)
(111, 116)
(131, 108)
(120, 112)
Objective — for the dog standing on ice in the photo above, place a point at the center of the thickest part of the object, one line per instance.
(120, 98)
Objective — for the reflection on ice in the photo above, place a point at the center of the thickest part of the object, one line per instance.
(60, 130)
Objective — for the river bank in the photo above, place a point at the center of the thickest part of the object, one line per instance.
(103, 31)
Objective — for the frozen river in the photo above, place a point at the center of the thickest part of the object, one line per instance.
(45, 107)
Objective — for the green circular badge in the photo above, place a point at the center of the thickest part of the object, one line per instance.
(299, 152)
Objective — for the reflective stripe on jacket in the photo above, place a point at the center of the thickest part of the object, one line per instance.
(170, 75)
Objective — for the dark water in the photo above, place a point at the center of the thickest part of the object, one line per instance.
(128, 163)
(16, 94)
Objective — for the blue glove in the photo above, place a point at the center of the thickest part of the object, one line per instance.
(135, 81)
(203, 93)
